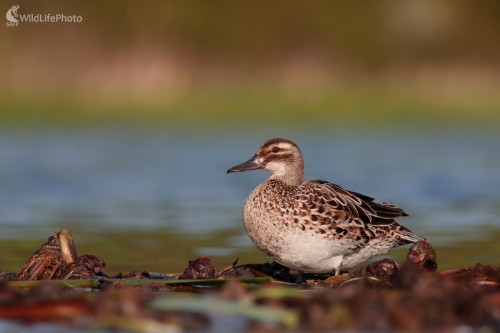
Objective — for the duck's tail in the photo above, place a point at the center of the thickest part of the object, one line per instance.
(405, 235)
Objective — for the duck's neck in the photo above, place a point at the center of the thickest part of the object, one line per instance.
(293, 176)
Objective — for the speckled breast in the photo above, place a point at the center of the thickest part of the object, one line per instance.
(266, 214)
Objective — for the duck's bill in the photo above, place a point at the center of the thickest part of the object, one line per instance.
(251, 164)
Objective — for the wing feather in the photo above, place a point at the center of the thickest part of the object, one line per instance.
(358, 205)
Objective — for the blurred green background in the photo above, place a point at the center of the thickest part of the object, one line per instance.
(121, 127)
(254, 61)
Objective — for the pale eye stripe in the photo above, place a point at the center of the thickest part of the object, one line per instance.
(284, 145)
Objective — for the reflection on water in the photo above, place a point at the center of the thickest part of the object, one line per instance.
(108, 181)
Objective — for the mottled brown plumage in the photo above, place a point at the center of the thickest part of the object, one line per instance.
(313, 225)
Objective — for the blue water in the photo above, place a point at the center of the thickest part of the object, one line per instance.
(133, 177)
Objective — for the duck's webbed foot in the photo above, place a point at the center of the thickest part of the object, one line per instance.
(300, 277)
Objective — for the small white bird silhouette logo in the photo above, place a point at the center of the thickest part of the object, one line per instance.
(11, 16)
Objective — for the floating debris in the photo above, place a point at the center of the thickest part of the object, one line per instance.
(382, 296)
(57, 259)
(201, 268)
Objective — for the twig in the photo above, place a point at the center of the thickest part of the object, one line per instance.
(68, 250)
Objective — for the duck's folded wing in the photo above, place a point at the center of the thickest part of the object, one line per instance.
(358, 205)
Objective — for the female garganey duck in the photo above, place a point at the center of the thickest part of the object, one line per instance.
(313, 225)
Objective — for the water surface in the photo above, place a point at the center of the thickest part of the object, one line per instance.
(154, 197)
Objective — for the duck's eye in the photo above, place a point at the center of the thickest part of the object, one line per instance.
(275, 149)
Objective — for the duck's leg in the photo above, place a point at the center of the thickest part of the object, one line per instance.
(300, 277)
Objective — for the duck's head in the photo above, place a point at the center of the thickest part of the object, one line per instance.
(281, 157)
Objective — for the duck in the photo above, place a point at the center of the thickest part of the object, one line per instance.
(312, 225)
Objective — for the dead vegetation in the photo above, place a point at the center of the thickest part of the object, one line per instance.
(54, 286)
